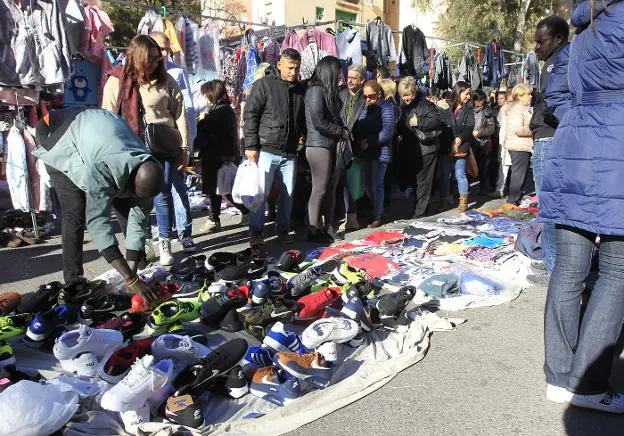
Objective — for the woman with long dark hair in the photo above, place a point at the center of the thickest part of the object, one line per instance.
(217, 143)
(325, 129)
(463, 124)
(143, 93)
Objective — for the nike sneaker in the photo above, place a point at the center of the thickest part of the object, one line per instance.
(251, 269)
(214, 310)
(356, 310)
(194, 335)
(147, 380)
(289, 261)
(14, 325)
(313, 305)
(270, 386)
(278, 339)
(329, 350)
(213, 290)
(8, 302)
(393, 304)
(82, 365)
(221, 260)
(257, 357)
(173, 312)
(87, 340)
(272, 311)
(165, 290)
(311, 367)
(398, 323)
(345, 273)
(233, 386)
(197, 377)
(338, 330)
(79, 290)
(232, 322)
(117, 363)
(7, 356)
(182, 349)
(183, 410)
(129, 324)
(302, 282)
(41, 300)
(99, 309)
(43, 325)
(132, 419)
(192, 266)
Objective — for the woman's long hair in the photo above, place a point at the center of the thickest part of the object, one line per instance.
(326, 75)
(137, 54)
(458, 89)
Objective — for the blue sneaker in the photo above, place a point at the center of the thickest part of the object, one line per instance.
(278, 339)
(267, 384)
(261, 292)
(311, 367)
(45, 324)
(257, 357)
(353, 309)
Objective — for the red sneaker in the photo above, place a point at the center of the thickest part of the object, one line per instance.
(314, 305)
(166, 291)
(116, 365)
(129, 324)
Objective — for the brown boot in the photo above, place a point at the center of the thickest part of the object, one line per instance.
(463, 203)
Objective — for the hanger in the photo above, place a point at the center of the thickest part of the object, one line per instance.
(163, 10)
(330, 31)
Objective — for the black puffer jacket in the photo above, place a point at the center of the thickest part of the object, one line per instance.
(424, 138)
(324, 125)
(275, 116)
(464, 126)
(216, 133)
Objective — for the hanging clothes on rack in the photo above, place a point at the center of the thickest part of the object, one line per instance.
(209, 51)
(531, 69)
(414, 52)
(187, 33)
(98, 26)
(442, 76)
(17, 170)
(349, 46)
(75, 25)
(380, 41)
(494, 67)
(469, 69)
(170, 30)
(313, 45)
(151, 22)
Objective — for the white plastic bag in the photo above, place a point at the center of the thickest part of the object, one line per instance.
(248, 187)
(225, 178)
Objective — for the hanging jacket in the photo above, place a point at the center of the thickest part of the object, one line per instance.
(530, 69)
(349, 46)
(17, 170)
(494, 67)
(380, 41)
(583, 169)
(151, 22)
(469, 69)
(415, 51)
(442, 76)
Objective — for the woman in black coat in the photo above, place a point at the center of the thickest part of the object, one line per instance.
(463, 124)
(217, 143)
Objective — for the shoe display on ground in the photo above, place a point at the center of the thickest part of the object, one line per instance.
(346, 274)
(302, 282)
(211, 226)
(216, 308)
(132, 419)
(129, 324)
(190, 288)
(267, 384)
(278, 339)
(147, 380)
(354, 309)
(251, 269)
(311, 367)
(257, 357)
(558, 394)
(329, 350)
(172, 312)
(233, 386)
(338, 330)
(289, 261)
(313, 305)
(182, 349)
(183, 410)
(117, 363)
(393, 304)
(43, 325)
(196, 378)
(272, 311)
(611, 402)
(87, 340)
(189, 267)
(14, 325)
(164, 246)
(232, 322)
(397, 323)
(188, 246)
(165, 290)
(41, 300)
(79, 290)
(9, 301)
(98, 309)
(222, 259)
(150, 253)
(7, 356)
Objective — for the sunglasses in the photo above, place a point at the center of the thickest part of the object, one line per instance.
(154, 59)
(371, 96)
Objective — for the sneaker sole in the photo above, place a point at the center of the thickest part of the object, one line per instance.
(579, 402)
(316, 380)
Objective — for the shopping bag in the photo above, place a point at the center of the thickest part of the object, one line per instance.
(248, 188)
(472, 169)
(354, 181)
(225, 178)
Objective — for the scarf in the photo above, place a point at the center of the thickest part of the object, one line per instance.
(128, 100)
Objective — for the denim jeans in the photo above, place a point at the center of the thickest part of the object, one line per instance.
(373, 174)
(181, 207)
(285, 169)
(581, 358)
(445, 167)
(162, 201)
(540, 148)
(460, 174)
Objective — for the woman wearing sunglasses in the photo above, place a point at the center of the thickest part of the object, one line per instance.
(143, 94)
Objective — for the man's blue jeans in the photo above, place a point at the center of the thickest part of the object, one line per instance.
(285, 169)
(540, 148)
(581, 358)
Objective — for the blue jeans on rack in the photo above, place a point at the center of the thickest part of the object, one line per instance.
(581, 358)
(540, 148)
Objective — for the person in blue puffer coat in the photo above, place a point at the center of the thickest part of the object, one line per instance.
(583, 194)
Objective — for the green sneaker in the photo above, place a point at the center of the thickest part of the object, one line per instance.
(14, 325)
(346, 274)
(6, 355)
(272, 311)
(173, 312)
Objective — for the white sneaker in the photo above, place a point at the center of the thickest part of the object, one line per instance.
(337, 330)
(187, 245)
(132, 419)
(612, 402)
(166, 259)
(84, 365)
(329, 350)
(150, 254)
(558, 394)
(145, 381)
(87, 340)
(210, 226)
(180, 348)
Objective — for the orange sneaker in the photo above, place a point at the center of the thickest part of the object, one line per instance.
(8, 302)
(311, 367)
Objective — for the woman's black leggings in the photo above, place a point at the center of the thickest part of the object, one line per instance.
(324, 180)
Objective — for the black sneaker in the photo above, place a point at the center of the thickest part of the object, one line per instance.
(216, 308)
(41, 300)
(398, 323)
(251, 269)
(289, 261)
(302, 282)
(233, 386)
(393, 304)
(78, 291)
(100, 309)
(189, 267)
(232, 322)
(196, 378)
(272, 311)
(184, 411)
(223, 259)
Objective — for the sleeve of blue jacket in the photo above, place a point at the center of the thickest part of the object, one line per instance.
(557, 92)
(388, 122)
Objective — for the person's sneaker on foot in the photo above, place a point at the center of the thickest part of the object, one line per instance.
(212, 225)
(301, 283)
(267, 384)
(610, 401)
(166, 258)
(256, 239)
(150, 253)
(188, 246)
(558, 394)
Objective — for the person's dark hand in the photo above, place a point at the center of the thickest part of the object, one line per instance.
(145, 291)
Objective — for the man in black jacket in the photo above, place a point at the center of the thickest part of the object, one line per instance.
(551, 36)
(274, 126)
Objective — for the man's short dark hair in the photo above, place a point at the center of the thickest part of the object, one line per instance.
(291, 54)
(478, 95)
(447, 95)
(556, 26)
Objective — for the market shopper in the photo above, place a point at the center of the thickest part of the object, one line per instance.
(274, 125)
(516, 138)
(504, 158)
(463, 123)
(324, 129)
(485, 128)
(444, 167)
(420, 127)
(217, 145)
(581, 194)
(92, 173)
(143, 93)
